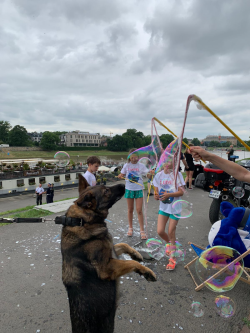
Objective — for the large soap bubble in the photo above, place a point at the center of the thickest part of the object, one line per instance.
(214, 259)
(62, 158)
(182, 209)
(224, 306)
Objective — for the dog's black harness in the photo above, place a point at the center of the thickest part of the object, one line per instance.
(69, 221)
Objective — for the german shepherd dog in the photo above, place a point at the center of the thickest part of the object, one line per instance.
(91, 269)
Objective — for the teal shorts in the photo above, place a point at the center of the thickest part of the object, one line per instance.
(133, 194)
(168, 215)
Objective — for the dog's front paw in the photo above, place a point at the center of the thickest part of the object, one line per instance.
(149, 275)
(136, 256)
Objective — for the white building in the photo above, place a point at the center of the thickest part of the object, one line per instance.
(81, 139)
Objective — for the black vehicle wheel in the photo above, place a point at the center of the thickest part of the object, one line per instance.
(214, 211)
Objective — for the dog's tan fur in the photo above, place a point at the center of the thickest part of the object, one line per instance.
(90, 260)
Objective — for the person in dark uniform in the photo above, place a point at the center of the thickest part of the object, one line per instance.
(190, 169)
(48, 194)
(52, 193)
(230, 152)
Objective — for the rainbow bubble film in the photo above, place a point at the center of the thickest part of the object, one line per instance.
(212, 261)
(167, 157)
(148, 155)
(176, 252)
(62, 158)
(224, 306)
(197, 309)
(156, 248)
(182, 209)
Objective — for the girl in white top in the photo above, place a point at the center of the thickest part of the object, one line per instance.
(133, 172)
(166, 192)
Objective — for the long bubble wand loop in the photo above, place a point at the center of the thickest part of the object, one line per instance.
(199, 100)
(172, 133)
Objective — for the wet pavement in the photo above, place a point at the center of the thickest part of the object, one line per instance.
(33, 298)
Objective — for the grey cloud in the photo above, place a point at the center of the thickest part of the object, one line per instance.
(198, 37)
(75, 11)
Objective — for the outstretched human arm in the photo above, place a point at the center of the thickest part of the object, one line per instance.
(229, 167)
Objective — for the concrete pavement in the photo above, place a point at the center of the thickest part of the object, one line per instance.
(34, 299)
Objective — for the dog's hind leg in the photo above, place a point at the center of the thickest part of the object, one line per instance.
(117, 268)
(125, 248)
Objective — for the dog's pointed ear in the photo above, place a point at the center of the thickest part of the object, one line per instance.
(86, 201)
(83, 184)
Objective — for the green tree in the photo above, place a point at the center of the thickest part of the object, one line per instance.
(166, 139)
(18, 136)
(4, 131)
(136, 137)
(225, 144)
(186, 141)
(213, 143)
(196, 142)
(49, 141)
(147, 140)
(118, 143)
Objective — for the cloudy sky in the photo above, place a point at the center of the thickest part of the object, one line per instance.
(109, 65)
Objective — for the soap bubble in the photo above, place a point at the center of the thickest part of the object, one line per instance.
(212, 261)
(167, 158)
(197, 309)
(182, 209)
(156, 249)
(238, 192)
(62, 158)
(176, 252)
(224, 306)
(148, 155)
(147, 162)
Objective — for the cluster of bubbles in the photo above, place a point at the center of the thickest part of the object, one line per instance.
(224, 306)
(213, 260)
(175, 252)
(62, 159)
(157, 250)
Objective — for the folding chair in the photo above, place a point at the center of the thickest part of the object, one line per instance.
(203, 284)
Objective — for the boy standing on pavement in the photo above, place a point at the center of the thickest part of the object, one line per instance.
(39, 195)
(93, 165)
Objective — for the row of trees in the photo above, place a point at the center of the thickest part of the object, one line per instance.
(134, 139)
(18, 136)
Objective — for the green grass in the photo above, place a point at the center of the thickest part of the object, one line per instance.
(28, 211)
(50, 154)
(32, 213)
(246, 322)
(17, 210)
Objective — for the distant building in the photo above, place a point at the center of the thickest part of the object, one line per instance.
(36, 137)
(81, 139)
(220, 139)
